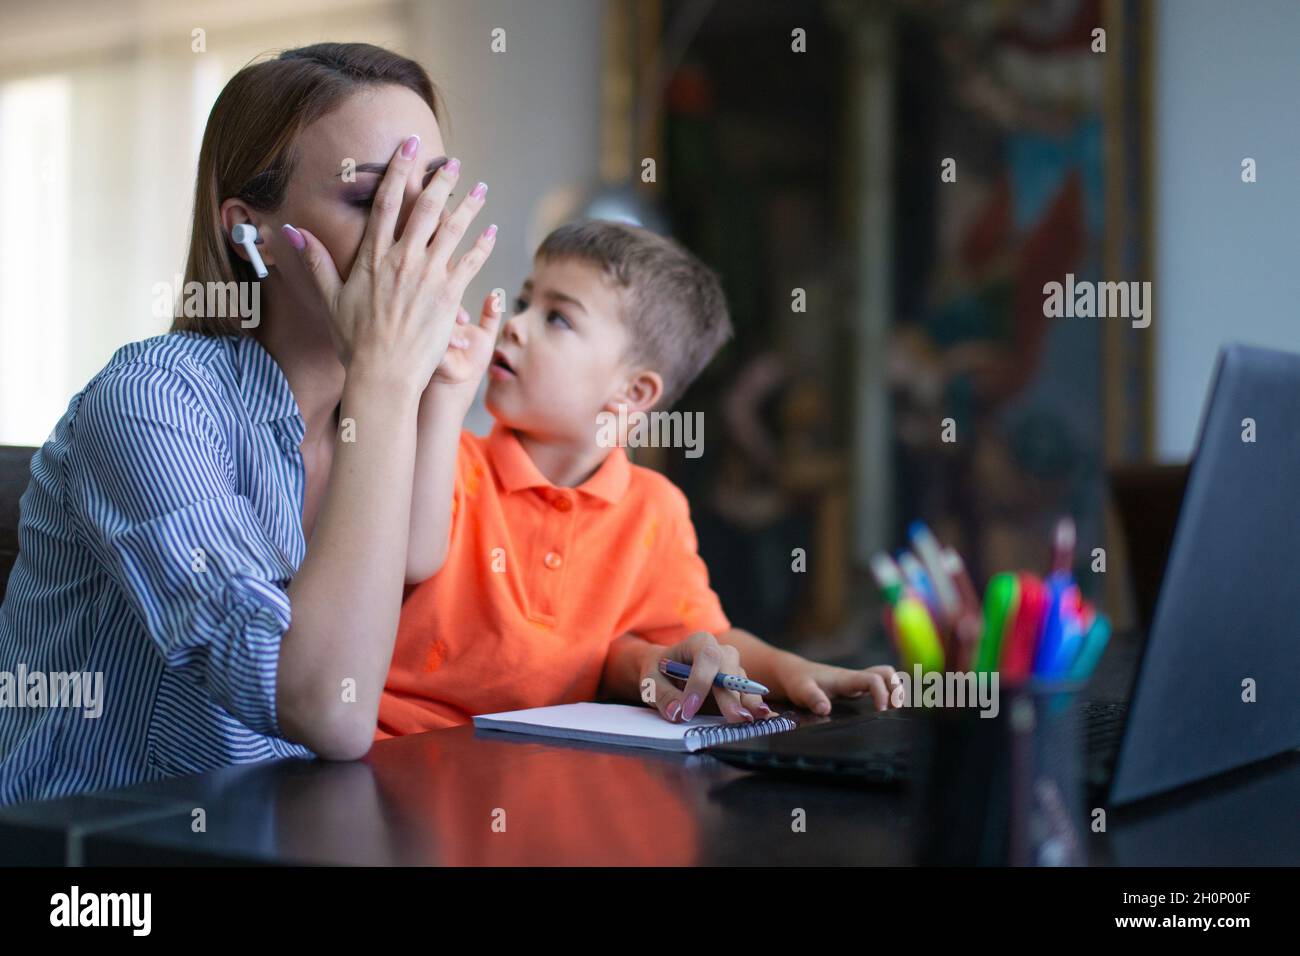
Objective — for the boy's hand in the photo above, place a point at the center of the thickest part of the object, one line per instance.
(707, 657)
(469, 352)
(811, 685)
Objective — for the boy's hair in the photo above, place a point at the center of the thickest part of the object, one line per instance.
(673, 304)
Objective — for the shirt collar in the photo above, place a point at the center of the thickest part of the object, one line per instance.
(517, 471)
(262, 385)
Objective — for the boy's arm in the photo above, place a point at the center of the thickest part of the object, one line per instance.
(438, 438)
(762, 662)
(621, 677)
(443, 407)
(680, 591)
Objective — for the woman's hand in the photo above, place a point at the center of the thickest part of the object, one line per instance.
(707, 657)
(393, 317)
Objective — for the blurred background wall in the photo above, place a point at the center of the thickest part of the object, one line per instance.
(1227, 75)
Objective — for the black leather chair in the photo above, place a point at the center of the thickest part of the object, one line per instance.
(15, 473)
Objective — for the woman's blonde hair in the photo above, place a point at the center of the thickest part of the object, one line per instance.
(248, 145)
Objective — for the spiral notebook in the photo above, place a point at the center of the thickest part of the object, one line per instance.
(629, 726)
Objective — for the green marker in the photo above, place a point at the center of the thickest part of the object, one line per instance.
(1001, 601)
(918, 641)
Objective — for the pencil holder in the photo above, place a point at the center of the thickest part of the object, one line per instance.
(1005, 789)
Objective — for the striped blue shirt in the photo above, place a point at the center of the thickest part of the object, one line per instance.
(156, 540)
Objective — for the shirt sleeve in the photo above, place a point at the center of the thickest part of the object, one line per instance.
(152, 483)
(681, 602)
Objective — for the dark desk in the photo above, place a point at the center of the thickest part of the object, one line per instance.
(433, 799)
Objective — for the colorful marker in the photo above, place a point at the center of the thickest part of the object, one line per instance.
(919, 581)
(914, 631)
(930, 553)
(1094, 643)
(1001, 599)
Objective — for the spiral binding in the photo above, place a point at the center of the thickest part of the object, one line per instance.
(730, 733)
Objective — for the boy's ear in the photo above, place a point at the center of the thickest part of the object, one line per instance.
(640, 392)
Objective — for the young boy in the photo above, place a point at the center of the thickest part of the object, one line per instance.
(552, 569)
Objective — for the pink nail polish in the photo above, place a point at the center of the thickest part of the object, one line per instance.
(479, 191)
(672, 710)
(744, 713)
(490, 232)
(411, 146)
(452, 166)
(294, 236)
(691, 706)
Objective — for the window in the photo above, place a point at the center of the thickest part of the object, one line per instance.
(35, 132)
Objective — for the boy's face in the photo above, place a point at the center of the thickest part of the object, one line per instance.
(561, 358)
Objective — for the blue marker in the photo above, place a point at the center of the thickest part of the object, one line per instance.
(1094, 643)
(1062, 633)
(919, 581)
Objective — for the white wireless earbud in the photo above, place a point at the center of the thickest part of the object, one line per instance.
(246, 236)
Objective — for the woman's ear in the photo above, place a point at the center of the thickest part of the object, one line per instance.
(640, 392)
(235, 212)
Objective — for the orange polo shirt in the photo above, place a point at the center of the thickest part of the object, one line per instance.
(538, 581)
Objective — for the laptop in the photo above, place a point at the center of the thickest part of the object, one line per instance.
(1225, 626)
(1147, 499)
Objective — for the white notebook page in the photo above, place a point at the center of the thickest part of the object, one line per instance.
(611, 723)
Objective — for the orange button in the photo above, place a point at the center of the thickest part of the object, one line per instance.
(553, 561)
(563, 504)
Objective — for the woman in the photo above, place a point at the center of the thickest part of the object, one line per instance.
(219, 523)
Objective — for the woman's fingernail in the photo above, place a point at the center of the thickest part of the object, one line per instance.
(294, 236)
(744, 713)
(411, 146)
(490, 232)
(452, 166)
(691, 706)
(479, 191)
(672, 710)
(765, 710)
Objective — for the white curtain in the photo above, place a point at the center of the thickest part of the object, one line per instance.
(102, 108)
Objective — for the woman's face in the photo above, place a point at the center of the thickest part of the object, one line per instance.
(340, 161)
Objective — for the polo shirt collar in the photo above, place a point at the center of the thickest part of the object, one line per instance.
(262, 385)
(516, 470)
